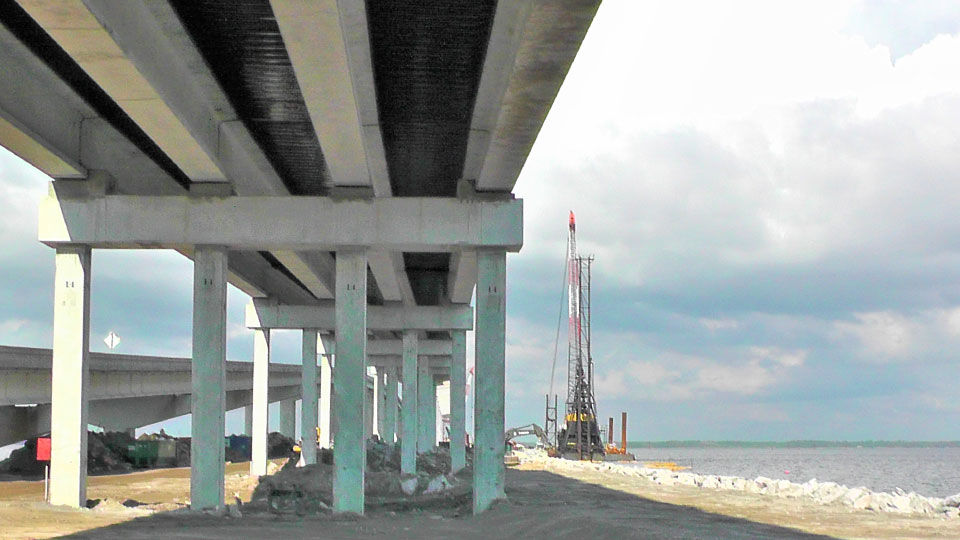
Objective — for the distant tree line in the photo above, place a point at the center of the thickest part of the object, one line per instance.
(793, 444)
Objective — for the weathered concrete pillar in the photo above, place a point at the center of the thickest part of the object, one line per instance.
(426, 409)
(380, 394)
(326, 393)
(458, 383)
(287, 425)
(208, 400)
(70, 376)
(261, 407)
(349, 381)
(490, 349)
(248, 420)
(390, 406)
(308, 404)
(408, 412)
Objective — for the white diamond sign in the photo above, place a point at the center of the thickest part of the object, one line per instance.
(112, 340)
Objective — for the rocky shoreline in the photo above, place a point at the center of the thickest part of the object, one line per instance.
(826, 493)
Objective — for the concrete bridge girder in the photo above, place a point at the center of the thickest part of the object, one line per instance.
(238, 208)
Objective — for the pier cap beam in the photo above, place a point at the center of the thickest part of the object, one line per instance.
(392, 317)
(412, 224)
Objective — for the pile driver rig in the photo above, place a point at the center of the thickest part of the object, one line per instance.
(579, 436)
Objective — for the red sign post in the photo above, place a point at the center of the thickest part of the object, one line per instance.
(43, 454)
(43, 449)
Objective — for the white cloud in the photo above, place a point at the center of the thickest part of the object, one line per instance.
(719, 324)
(675, 377)
(884, 334)
(700, 149)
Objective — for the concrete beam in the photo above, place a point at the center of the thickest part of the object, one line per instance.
(48, 125)
(427, 224)
(505, 38)
(264, 314)
(534, 59)
(315, 269)
(436, 364)
(394, 347)
(391, 276)
(334, 35)
(462, 277)
(94, 47)
(21, 423)
(252, 274)
(25, 376)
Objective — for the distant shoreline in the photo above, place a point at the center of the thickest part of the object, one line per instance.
(793, 444)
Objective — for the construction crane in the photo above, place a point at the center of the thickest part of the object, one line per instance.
(579, 438)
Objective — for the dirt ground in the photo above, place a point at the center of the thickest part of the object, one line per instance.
(541, 503)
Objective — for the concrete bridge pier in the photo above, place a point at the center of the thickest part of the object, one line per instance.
(208, 400)
(391, 375)
(248, 420)
(310, 397)
(458, 382)
(70, 376)
(380, 401)
(426, 406)
(349, 381)
(287, 425)
(408, 412)
(261, 374)
(326, 392)
(490, 349)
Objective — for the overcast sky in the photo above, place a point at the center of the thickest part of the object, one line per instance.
(771, 191)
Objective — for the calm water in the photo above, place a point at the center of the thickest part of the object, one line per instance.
(928, 471)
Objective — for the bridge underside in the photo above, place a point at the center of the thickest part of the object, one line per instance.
(351, 163)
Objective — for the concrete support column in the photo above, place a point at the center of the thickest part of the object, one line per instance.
(349, 381)
(70, 376)
(458, 383)
(490, 350)
(248, 420)
(380, 393)
(261, 408)
(288, 418)
(390, 406)
(326, 394)
(408, 412)
(209, 398)
(308, 392)
(426, 397)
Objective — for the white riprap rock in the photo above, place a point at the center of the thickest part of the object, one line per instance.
(710, 482)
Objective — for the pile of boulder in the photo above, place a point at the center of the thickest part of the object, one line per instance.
(106, 454)
(309, 489)
(110, 453)
(858, 498)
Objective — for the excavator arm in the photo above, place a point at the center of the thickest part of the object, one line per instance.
(529, 429)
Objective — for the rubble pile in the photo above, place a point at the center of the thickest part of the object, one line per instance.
(106, 453)
(310, 488)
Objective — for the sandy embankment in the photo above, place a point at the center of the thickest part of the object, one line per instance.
(816, 507)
